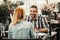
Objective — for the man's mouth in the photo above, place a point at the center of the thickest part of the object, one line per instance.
(33, 15)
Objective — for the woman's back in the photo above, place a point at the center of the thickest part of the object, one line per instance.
(22, 30)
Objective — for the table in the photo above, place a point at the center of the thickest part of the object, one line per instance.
(44, 36)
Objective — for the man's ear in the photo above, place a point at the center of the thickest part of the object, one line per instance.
(37, 11)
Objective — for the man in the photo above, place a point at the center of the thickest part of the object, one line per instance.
(39, 22)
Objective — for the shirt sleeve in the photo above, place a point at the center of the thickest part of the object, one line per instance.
(45, 23)
(10, 32)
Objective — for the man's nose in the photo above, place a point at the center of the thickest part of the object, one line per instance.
(32, 12)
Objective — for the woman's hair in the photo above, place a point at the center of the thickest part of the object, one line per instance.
(18, 15)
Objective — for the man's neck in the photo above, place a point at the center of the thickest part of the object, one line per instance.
(33, 18)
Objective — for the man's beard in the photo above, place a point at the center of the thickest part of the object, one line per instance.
(33, 16)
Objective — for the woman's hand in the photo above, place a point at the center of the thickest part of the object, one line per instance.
(36, 29)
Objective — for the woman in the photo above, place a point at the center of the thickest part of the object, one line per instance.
(20, 29)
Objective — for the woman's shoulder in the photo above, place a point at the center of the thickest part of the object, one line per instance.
(11, 25)
(28, 22)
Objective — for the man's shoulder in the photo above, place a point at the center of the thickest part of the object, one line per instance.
(27, 15)
(27, 22)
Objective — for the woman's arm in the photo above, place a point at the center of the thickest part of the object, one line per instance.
(10, 32)
(32, 32)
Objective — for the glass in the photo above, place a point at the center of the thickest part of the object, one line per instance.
(36, 33)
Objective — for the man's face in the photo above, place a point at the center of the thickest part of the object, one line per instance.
(33, 12)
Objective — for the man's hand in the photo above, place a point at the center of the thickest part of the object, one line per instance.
(43, 30)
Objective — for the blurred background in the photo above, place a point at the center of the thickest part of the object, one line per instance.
(28, 3)
(48, 8)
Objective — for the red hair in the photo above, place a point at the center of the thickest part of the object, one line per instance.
(18, 15)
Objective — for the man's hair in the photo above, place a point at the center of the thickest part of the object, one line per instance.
(33, 6)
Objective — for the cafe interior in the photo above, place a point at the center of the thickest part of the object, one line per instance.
(47, 8)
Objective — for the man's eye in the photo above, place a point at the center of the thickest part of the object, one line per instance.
(34, 11)
(30, 11)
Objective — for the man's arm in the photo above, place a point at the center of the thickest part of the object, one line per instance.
(45, 28)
